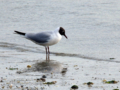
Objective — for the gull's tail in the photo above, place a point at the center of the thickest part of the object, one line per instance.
(21, 33)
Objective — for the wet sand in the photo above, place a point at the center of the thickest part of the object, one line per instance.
(15, 75)
(90, 54)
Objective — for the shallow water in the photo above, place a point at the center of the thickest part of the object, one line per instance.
(92, 28)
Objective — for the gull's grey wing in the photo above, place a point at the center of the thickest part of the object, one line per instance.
(42, 37)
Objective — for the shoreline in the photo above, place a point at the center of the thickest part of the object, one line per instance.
(79, 71)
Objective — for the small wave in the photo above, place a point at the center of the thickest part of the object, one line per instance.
(23, 48)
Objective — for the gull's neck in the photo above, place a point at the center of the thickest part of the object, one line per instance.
(57, 30)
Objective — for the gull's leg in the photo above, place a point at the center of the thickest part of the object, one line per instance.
(46, 52)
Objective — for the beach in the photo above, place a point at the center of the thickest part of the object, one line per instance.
(90, 54)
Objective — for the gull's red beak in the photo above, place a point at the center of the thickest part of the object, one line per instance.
(65, 36)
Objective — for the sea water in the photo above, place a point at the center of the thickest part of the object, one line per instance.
(92, 26)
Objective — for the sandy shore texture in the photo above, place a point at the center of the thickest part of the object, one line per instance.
(89, 58)
(64, 71)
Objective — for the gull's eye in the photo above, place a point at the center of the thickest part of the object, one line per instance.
(63, 32)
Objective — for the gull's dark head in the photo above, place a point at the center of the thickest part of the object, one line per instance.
(62, 31)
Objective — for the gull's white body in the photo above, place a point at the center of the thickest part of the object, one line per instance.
(52, 38)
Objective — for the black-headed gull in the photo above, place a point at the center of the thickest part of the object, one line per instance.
(45, 38)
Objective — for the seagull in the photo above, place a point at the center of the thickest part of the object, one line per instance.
(45, 39)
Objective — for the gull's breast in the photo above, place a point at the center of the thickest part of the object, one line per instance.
(55, 38)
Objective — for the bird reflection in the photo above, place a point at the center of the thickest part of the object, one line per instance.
(50, 66)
